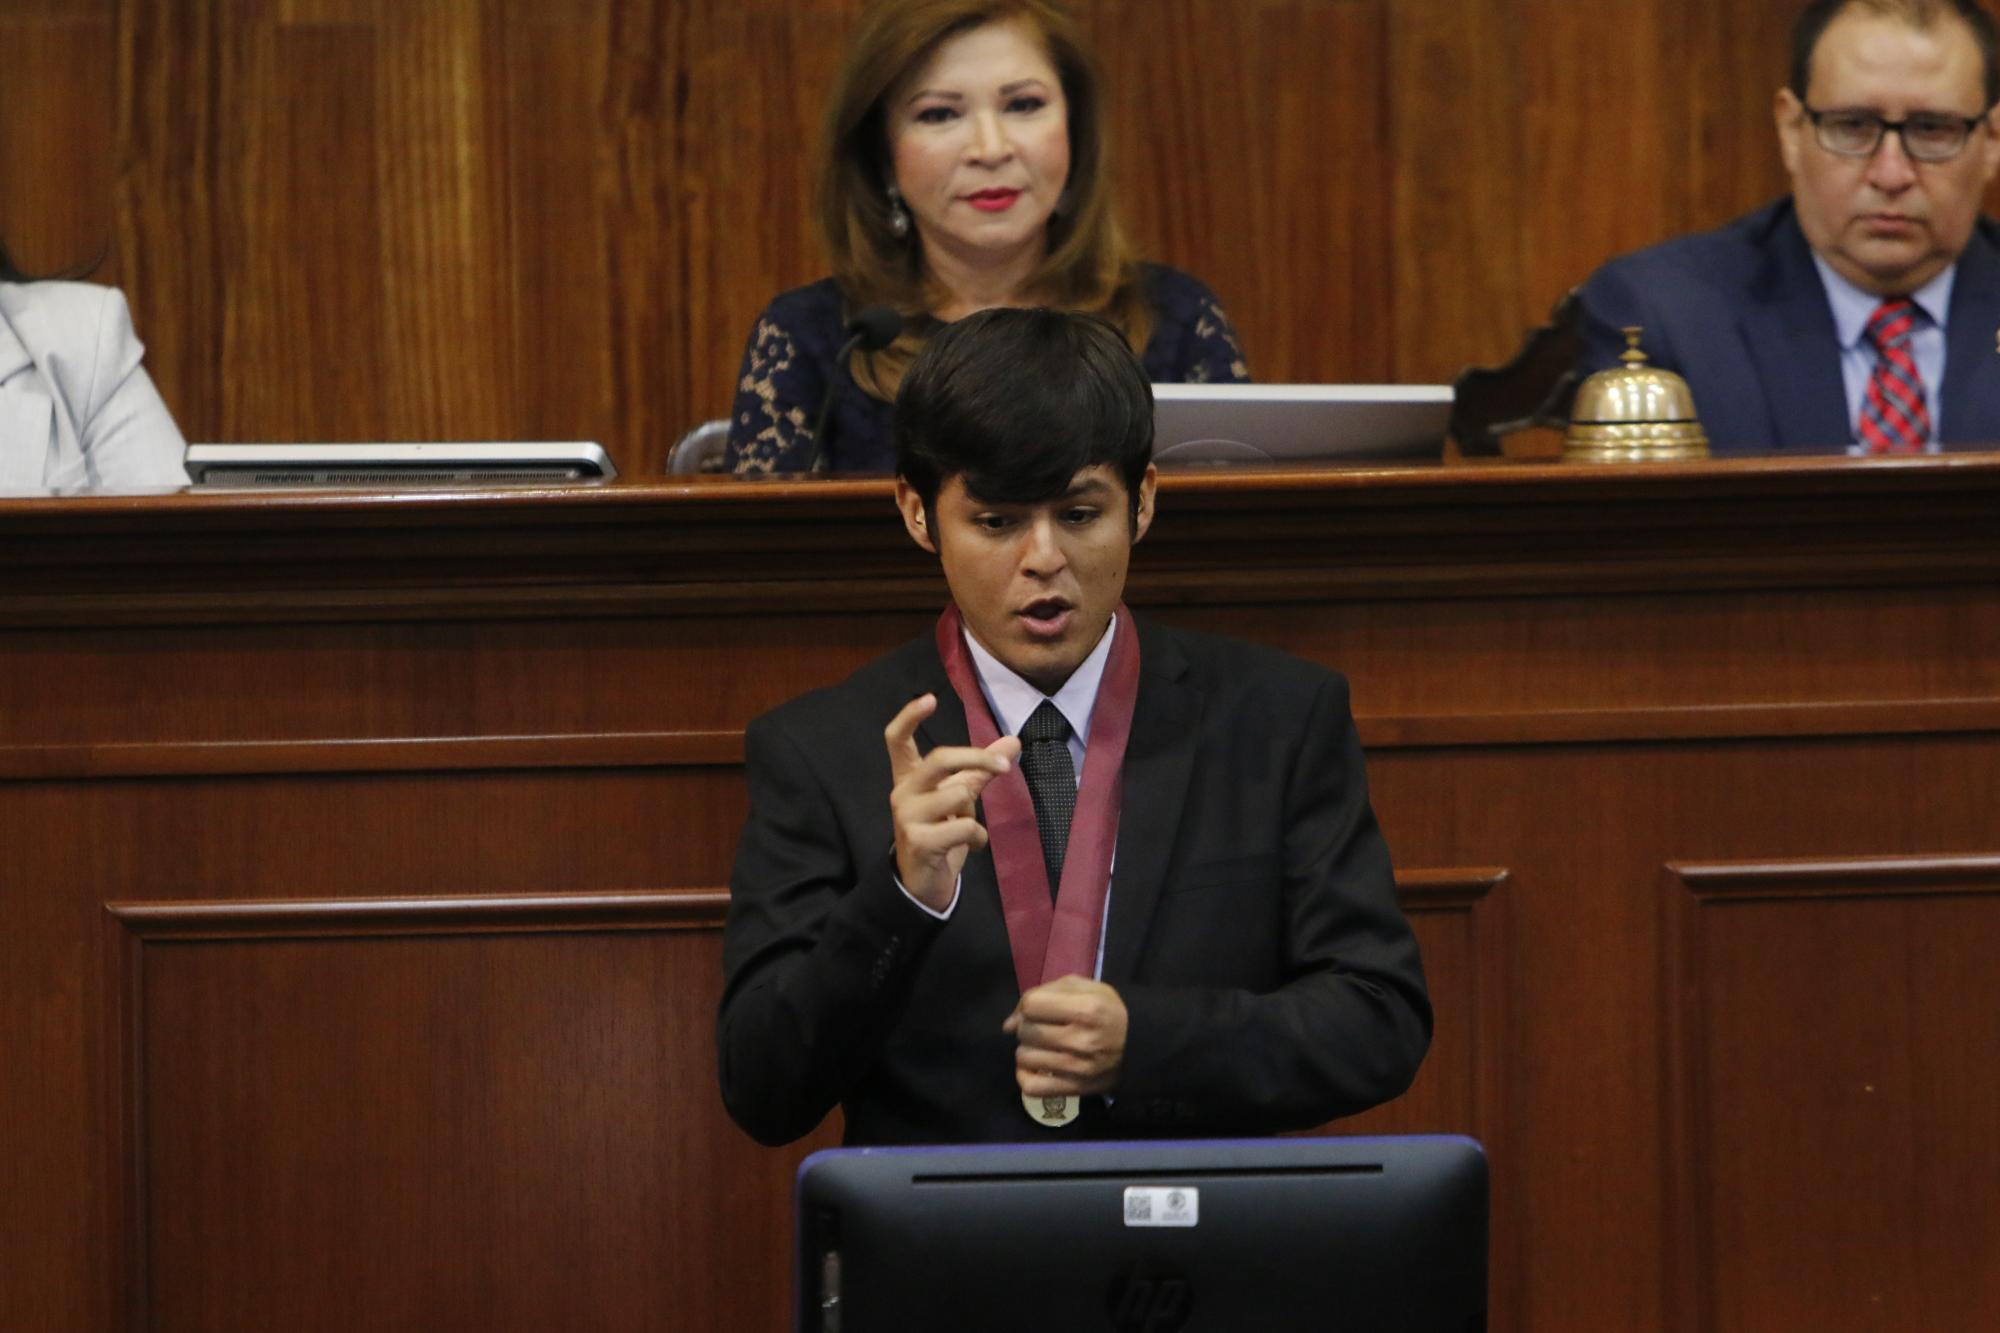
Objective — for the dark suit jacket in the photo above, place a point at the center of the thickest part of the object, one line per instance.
(1742, 314)
(1270, 978)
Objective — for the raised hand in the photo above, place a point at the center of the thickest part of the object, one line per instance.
(933, 802)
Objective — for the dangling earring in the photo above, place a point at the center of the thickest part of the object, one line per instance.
(899, 217)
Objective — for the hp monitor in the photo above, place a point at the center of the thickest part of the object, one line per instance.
(1272, 1235)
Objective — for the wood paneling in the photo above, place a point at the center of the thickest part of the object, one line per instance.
(1836, 1040)
(350, 219)
(515, 1082)
(1454, 111)
(56, 151)
(462, 771)
(1723, 145)
(1456, 916)
(1602, 1152)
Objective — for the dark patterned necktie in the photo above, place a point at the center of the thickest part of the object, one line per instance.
(1045, 763)
(1894, 419)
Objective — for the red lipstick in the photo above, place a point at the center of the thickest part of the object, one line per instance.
(993, 201)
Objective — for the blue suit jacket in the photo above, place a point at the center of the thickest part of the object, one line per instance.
(1742, 314)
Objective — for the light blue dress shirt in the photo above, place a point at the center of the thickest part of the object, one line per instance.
(1011, 699)
(1852, 309)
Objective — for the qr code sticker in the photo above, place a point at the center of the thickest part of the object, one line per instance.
(1157, 1206)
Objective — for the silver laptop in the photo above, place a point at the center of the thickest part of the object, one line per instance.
(454, 464)
(1261, 423)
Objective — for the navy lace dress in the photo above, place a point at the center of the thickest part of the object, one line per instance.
(790, 358)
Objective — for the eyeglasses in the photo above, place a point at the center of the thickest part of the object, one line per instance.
(1928, 136)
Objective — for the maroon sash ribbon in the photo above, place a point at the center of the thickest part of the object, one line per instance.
(1052, 939)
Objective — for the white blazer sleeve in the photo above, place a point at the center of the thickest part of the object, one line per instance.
(129, 438)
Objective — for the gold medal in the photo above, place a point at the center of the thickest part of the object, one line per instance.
(1051, 1112)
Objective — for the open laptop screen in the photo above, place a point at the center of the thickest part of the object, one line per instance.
(1257, 423)
(387, 464)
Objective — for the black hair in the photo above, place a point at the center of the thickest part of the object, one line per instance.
(1820, 14)
(1017, 402)
(10, 271)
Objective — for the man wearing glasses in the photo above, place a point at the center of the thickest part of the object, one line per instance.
(1864, 309)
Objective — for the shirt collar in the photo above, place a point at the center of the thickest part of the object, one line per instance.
(1012, 699)
(1853, 307)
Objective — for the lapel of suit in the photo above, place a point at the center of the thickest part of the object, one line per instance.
(1971, 401)
(1159, 759)
(1788, 330)
(926, 675)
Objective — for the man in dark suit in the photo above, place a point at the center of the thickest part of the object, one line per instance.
(1225, 953)
(1862, 311)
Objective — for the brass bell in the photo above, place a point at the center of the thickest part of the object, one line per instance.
(1634, 413)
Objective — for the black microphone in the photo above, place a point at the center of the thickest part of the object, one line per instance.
(871, 329)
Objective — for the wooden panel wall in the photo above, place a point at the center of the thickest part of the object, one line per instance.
(354, 219)
(361, 869)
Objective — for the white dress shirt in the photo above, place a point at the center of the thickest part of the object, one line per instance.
(1011, 699)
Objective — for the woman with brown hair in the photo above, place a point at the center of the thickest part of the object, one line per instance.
(964, 170)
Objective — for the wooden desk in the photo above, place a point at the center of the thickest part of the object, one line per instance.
(365, 860)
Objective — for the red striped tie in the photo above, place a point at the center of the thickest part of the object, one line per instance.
(1894, 419)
